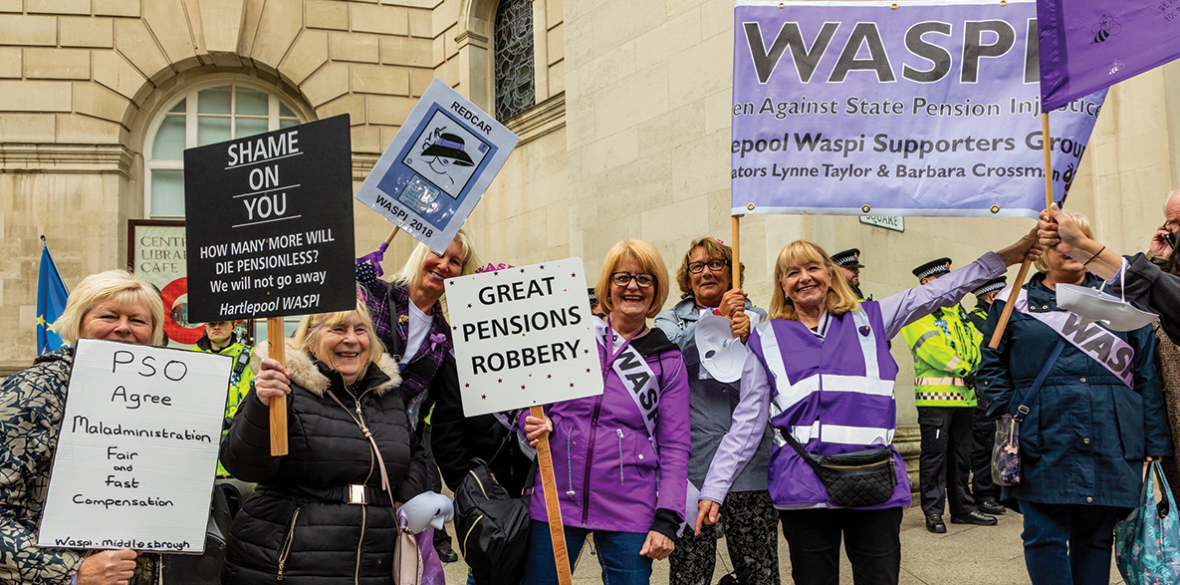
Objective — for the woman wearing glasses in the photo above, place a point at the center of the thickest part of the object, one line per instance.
(610, 451)
(707, 286)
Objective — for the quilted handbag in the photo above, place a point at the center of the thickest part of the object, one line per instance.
(853, 480)
(1147, 543)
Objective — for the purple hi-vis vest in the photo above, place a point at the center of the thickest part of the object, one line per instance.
(834, 395)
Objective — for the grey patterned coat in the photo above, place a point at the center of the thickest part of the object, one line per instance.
(31, 406)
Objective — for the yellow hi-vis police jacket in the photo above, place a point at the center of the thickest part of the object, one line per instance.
(945, 349)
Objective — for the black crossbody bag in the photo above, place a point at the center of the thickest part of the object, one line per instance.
(492, 525)
(852, 480)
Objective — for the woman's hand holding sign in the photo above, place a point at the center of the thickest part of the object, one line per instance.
(536, 427)
(273, 380)
(109, 567)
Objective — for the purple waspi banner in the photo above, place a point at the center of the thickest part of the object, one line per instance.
(930, 108)
(1093, 44)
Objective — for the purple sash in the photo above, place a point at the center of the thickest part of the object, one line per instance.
(1092, 339)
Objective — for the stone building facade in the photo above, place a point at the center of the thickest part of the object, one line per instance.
(628, 136)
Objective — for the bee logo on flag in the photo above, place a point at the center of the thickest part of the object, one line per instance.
(1105, 28)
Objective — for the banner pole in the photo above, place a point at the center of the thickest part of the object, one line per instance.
(391, 234)
(552, 505)
(736, 269)
(1046, 146)
(276, 338)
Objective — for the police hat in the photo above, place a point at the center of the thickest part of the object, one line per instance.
(933, 268)
(848, 258)
(593, 296)
(991, 285)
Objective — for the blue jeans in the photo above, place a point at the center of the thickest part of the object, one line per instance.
(618, 553)
(1068, 544)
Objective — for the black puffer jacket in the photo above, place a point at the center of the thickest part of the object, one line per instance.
(299, 526)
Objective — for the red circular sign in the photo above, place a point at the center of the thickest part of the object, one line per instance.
(176, 317)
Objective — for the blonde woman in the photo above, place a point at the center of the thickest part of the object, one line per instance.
(114, 306)
(611, 451)
(319, 514)
(409, 316)
(1098, 414)
(820, 370)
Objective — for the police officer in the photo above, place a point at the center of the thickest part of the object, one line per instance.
(219, 339)
(849, 262)
(986, 492)
(946, 351)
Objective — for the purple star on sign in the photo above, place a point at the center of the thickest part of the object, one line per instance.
(467, 385)
(484, 396)
(496, 273)
(549, 376)
(522, 386)
(468, 305)
(571, 384)
(522, 270)
(499, 380)
(542, 267)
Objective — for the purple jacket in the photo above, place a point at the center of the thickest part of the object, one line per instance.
(606, 469)
(795, 486)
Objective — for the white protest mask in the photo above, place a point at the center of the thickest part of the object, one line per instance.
(722, 355)
(1095, 305)
(428, 510)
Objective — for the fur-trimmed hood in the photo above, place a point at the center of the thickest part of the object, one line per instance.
(307, 375)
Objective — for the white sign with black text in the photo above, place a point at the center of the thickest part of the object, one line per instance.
(137, 451)
(523, 336)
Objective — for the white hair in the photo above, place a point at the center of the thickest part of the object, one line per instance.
(1168, 200)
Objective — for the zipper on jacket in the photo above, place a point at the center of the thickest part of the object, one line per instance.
(590, 460)
(620, 433)
(356, 400)
(356, 575)
(569, 462)
(287, 545)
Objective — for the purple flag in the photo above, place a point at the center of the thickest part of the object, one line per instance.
(1088, 45)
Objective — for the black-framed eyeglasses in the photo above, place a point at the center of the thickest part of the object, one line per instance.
(623, 279)
(713, 265)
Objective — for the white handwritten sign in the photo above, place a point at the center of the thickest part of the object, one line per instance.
(523, 336)
(437, 167)
(137, 452)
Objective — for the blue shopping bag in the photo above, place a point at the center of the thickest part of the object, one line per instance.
(1147, 542)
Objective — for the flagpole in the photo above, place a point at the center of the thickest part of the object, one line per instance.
(1046, 145)
(736, 266)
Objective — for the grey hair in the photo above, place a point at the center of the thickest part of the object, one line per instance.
(1168, 199)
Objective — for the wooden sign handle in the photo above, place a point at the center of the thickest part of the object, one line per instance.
(276, 338)
(1007, 314)
(552, 505)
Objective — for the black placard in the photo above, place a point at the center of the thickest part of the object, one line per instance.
(270, 225)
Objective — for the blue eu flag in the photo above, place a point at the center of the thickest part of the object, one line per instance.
(51, 302)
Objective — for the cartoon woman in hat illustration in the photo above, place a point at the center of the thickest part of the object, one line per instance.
(440, 149)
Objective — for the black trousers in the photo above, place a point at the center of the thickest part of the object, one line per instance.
(983, 438)
(434, 483)
(871, 539)
(943, 468)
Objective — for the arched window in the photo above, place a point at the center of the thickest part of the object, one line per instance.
(202, 115)
(515, 72)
